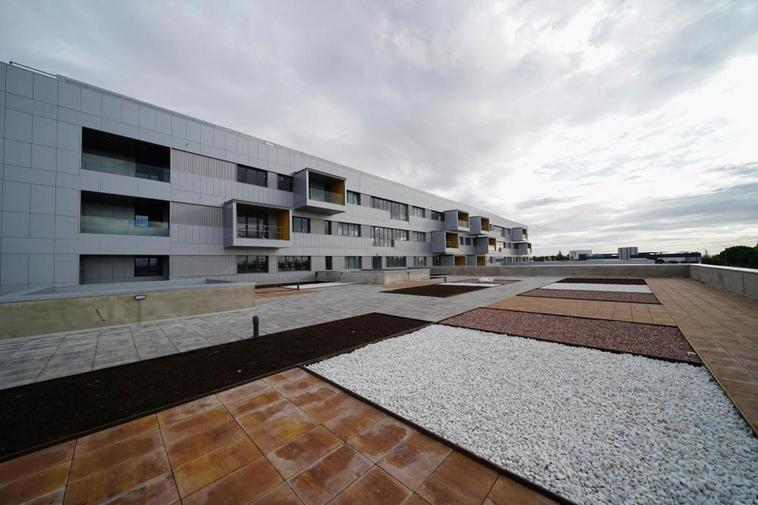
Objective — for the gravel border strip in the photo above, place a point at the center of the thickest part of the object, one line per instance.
(602, 296)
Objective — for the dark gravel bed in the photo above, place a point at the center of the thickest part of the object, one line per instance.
(46, 413)
(603, 280)
(606, 296)
(650, 340)
(436, 290)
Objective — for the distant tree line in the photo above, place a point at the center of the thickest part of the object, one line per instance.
(556, 257)
(735, 256)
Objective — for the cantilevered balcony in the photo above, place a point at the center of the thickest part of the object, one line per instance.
(480, 225)
(255, 225)
(519, 234)
(457, 220)
(320, 192)
(445, 242)
(486, 245)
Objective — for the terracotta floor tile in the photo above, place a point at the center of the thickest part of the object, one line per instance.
(268, 413)
(195, 425)
(414, 460)
(187, 449)
(375, 487)
(507, 491)
(268, 436)
(117, 433)
(303, 451)
(376, 441)
(459, 480)
(36, 461)
(34, 485)
(213, 465)
(186, 410)
(117, 479)
(159, 491)
(243, 392)
(318, 392)
(353, 419)
(282, 495)
(415, 499)
(92, 462)
(239, 487)
(325, 410)
(294, 387)
(286, 376)
(324, 480)
(255, 402)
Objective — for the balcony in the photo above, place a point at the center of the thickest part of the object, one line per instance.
(104, 213)
(479, 225)
(253, 225)
(445, 242)
(319, 192)
(114, 154)
(457, 220)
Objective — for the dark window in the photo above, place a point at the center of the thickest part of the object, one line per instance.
(418, 211)
(353, 197)
(250, 175)
(353, 262)
(383, 237)
(123, 215)
(301, 224)
(293, 263)
(397, 210)
(461, 239)
(348, 229)
(396, 261)
(321, 227)
(418, 236)
(106, 152)
(419, 261)
(252, 264)
(328, 262)
(148, 266)
(284, 182)
(437, 216)
(252, 222)
(437, 261)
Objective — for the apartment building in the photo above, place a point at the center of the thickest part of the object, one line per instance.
(97, 187)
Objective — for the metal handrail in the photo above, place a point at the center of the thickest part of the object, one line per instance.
(265, 232)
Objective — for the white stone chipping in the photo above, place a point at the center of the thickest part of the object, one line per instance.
(596, 427)
(580, 286)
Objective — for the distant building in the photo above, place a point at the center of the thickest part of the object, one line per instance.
(626, 253)
(580, 254)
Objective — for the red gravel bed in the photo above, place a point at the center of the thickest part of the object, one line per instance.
(605, 296)
(603, 280)
(652, 340)
(436, 290)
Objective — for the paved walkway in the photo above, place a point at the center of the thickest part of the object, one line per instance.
(287, 439)
(30, 359)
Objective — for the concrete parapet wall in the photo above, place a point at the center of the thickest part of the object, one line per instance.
(647, 270)
(375, 276)
(743, 281)
(19, 319)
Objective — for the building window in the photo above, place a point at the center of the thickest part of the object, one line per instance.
(252, 264)
(148, 266)
(396, 261)
(436, 216)
(383, 237)
(250, 175)
(348, 230)
(397, 210)
(328, 262)
(114, 154)
(284, 182)
(461, 239)
(468, 240)
(301, 224)
(353, 262)
(321, 227)
(418, 236)
(418, 211)
(419, 261)
(437, 261)
(293, 263)
(353, 198)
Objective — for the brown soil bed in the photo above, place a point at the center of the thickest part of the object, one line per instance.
(436, 290)
(604, 280)
(605, 296)
(50, 412)
(652, 340)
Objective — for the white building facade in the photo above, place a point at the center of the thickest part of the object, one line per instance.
(97, 187)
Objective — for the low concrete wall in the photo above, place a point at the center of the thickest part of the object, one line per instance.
(574, 270)
(52, 315)
(743, 281)
(374, 276)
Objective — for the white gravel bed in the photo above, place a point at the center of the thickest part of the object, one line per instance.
(578, 286)
(593, 426)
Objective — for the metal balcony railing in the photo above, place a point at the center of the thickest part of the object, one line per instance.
(323, 195)
(115, 226)
(129, 168)
(264, 232)
(462, 224)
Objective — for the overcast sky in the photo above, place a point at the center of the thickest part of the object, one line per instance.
(599, 124)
